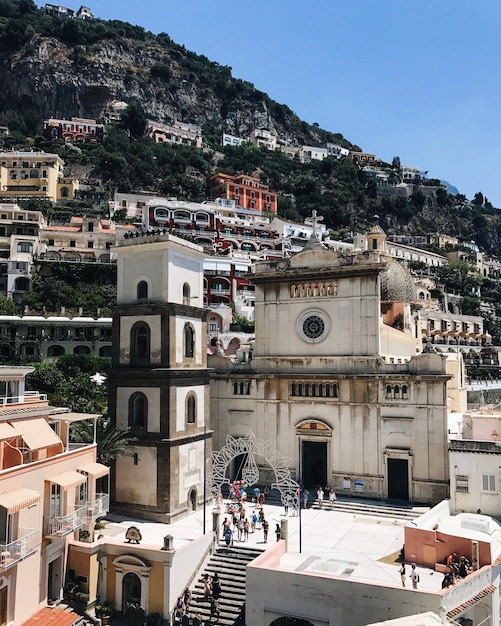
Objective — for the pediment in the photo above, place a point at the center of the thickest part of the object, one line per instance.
(315, 258)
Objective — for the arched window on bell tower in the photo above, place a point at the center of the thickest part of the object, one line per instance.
(142, 290)
(138, 411)
(189, 341)
(186, 293)
(191, 409)
(140, 343)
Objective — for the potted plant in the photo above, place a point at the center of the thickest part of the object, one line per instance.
(70, 589)
(83, 535)
(81, 600)
(103, 612)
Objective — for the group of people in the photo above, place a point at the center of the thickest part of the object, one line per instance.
(326, 494)
(414, 576)
(182, 616)
(212, 593)
(238, 525)
(460, 568)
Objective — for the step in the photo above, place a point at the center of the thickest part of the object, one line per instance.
(361, 508)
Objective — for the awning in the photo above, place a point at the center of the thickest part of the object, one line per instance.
(96, 470)
(37, 433)
(71, 416)
(7, 431)
(19, 499)
(69, 479)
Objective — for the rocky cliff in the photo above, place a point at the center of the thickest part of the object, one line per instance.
(167, 82)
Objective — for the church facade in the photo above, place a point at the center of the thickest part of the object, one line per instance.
(159, 382)
(336, 377)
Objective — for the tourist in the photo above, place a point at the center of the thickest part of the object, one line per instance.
(403, 573)
(278, 532)
(320, 496)
(266, 528)
(332, 498)
(414, 576)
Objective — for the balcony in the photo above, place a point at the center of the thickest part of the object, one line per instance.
(27, 543)
(99, 507)
(62, 526)
(29, 397)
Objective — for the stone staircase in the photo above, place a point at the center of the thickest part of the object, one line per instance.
(230, 566)
(398, 513)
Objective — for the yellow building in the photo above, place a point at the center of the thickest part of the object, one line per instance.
(51, 491)
(26, 175)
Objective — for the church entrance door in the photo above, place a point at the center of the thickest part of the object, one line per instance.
(398, 479)
(314, 463)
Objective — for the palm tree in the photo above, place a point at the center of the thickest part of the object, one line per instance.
(112, 442)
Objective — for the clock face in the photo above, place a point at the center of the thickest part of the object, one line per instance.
(313, 327)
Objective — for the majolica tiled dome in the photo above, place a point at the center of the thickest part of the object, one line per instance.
(396, 283)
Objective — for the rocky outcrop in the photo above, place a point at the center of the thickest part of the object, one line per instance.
(63, 81)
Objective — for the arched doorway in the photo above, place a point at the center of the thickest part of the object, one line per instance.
(244, 450)
(131, 590)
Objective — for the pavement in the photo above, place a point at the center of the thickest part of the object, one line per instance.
(320, 540)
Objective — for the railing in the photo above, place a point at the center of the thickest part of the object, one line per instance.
(62, 526)
(28, 397)
(27, 543)
(100, 506)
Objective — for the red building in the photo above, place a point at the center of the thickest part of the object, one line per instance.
(247, 191)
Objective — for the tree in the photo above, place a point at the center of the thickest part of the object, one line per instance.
(395, 164)
(112, 442)
(459, 277)
(133, 120)
(478, 199)
(8, 306)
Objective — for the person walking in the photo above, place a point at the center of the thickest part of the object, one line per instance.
(207, 586)
(414, 576)
(332, 498)
(216, 587)
(246, 530)
(305, 498)
(254, 522)
(320, 496)
(266, 528)
(278, 532)
(228, 538)
(403, 573)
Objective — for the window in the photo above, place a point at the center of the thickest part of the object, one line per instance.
(33, 173)
(138, 411)
(189, 341)
(51, 242)
(140, 343)
(25, 246)
(73, 244)
(461, 483)
(488, 482)
(65, 192)
(142, 290)
(90, 244)
(91, 227)
(186, 293)
(191, 406)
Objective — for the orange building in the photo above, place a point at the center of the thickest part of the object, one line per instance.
(247, 191)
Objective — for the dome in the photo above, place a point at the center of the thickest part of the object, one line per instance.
(396, 283)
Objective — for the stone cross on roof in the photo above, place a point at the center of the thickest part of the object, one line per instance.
(314, 219)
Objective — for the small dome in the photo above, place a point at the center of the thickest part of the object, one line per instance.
(396, 283)
(376, 230)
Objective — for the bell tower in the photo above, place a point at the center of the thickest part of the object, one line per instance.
(159, 381)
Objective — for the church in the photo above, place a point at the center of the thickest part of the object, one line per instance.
(336, 377)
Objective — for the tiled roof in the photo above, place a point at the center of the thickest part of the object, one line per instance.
(469, 603)
(49, 616)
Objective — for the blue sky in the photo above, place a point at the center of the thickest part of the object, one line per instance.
(420, 80)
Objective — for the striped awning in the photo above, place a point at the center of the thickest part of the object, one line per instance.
(96, 470)
(68, 479)
(7, 431)
(37, 433)
(18, 499)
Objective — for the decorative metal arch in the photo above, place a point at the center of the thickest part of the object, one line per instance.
(235, 446)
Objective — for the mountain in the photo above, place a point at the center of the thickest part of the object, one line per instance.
(64, 67)
(67, 67)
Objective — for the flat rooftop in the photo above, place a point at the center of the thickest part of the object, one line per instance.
(333, 542)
